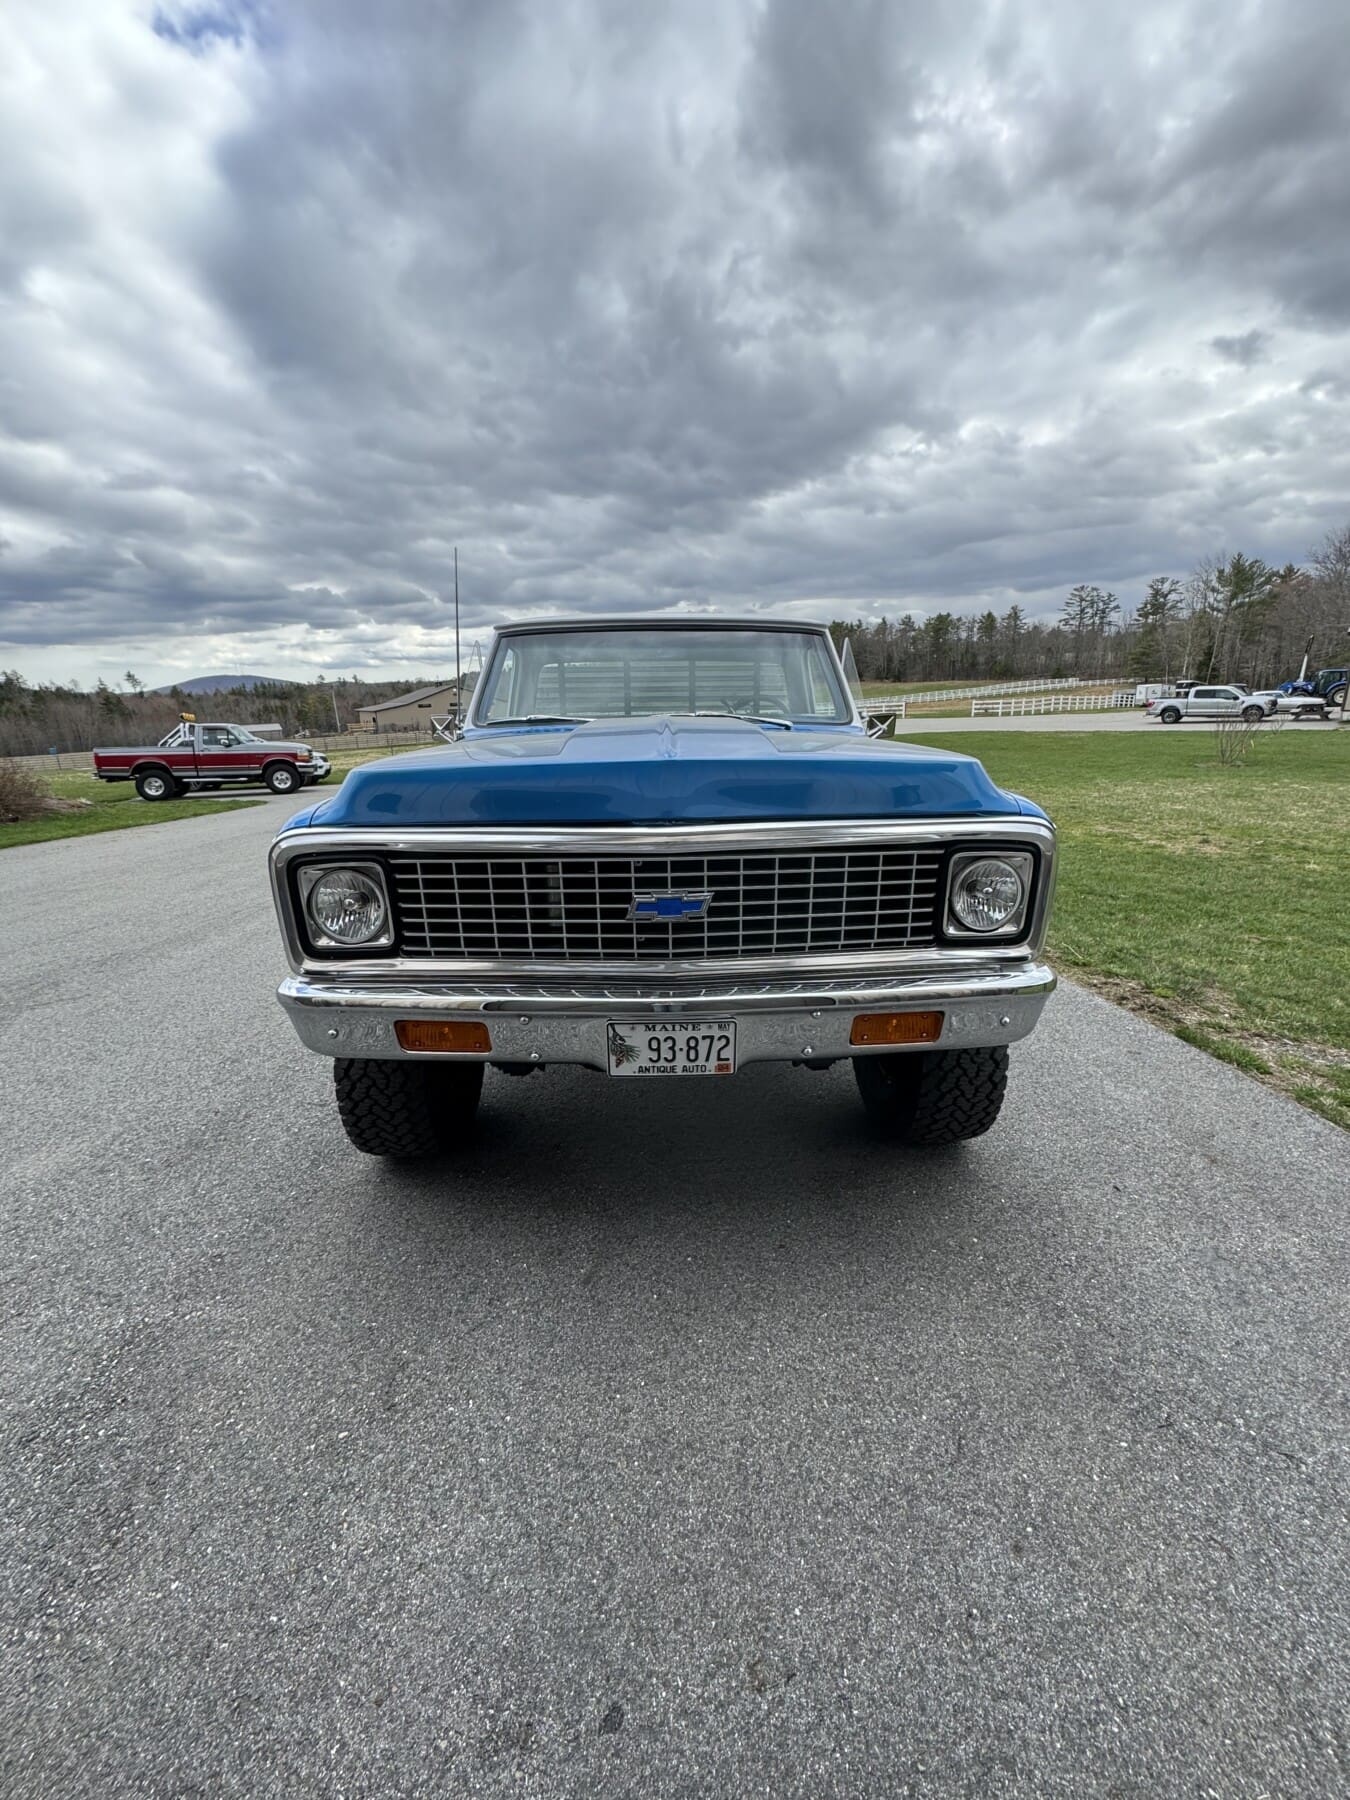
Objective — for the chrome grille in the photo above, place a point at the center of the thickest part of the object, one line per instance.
(772, 903)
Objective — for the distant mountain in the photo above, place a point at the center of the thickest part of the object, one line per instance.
(216, 684)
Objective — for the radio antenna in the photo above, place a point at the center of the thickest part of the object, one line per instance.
(459, 692)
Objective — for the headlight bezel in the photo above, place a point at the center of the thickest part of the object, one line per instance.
(308, 876)
(1023, 864)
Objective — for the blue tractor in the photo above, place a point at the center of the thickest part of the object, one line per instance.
(1327, 684)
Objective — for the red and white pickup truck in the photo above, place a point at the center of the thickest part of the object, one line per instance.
(195, 757)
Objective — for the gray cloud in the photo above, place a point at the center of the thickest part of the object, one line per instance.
(1246, 349)
(683, 305)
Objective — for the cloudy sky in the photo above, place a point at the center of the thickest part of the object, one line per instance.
(687, 304)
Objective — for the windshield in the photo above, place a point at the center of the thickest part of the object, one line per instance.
(784, 677)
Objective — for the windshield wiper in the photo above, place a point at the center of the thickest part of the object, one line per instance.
(709, 712)
(538, 719)
(701, 713)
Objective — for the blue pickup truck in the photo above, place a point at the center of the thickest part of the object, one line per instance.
(664, 850)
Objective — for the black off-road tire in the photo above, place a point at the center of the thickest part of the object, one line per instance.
(1170, 715)
(158, 784)
(406, 1109)
(1336, 696)
(283, 778)
(933, 1097)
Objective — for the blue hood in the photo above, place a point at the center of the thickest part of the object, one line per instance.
(663, 770)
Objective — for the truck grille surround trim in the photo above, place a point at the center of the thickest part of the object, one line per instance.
(764, 903)
(791, 898)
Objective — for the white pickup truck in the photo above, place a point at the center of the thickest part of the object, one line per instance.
(1232, 701)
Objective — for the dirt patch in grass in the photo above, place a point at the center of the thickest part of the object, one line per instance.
(1316, 1075)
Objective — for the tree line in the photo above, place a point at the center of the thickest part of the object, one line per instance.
(57, 715)
(1233, 618)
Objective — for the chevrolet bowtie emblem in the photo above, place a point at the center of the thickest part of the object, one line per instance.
(661, 909)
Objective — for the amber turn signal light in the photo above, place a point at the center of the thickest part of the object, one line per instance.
(896, 1028)
(443, 1034)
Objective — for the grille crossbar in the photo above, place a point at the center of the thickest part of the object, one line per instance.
(577, 907)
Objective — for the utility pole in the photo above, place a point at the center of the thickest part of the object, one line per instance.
(459, 697)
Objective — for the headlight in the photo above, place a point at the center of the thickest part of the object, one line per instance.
(346, 907)
(987, 895)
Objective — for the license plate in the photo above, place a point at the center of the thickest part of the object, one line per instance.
(672, 1046)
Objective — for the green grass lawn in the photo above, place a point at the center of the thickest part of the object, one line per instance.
(116, 805)
(1213, 899)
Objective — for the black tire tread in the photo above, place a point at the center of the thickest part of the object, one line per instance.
(951, 1095)
(405, 1110)
(175, 788)
(297, 781)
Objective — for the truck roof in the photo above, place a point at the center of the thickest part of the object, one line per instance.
(679, 623)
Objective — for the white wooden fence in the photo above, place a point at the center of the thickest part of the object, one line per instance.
(1052, 703)
(1041, 685)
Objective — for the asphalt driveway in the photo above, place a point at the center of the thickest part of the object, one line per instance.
(663, 1443)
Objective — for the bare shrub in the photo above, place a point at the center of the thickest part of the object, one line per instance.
(1235, 739)
(22, 794)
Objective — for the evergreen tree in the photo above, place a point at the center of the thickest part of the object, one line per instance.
(1151, 654)
(110, 703)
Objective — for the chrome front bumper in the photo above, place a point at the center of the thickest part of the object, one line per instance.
(777, 1021)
